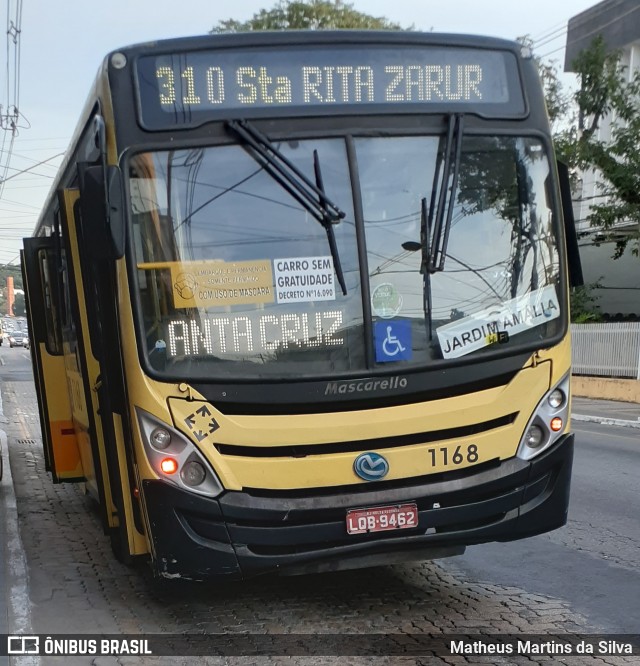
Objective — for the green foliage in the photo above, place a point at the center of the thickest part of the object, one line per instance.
(560, 107)
(584, 306)
(605, 92)
(13, 271)
(19, 307)
(307, 15)
(601, 83)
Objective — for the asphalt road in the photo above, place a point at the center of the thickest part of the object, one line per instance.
(15, 364)
(594, 562)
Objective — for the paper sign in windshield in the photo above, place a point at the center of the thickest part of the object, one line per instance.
(484, 328)
(304, 279)
(218, 283)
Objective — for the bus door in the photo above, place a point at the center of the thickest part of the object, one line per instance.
(94, 284)
(83, 368)
(61, 410)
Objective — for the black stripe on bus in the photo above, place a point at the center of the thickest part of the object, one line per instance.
(304, 450)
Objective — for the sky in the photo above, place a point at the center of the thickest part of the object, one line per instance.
(62, 44)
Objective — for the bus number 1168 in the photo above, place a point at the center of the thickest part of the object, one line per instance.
(444, 455)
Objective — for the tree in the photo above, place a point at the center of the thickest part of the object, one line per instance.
(19, 308)
(584, 304)
(307, 15)
(604, 92)
(560, 105)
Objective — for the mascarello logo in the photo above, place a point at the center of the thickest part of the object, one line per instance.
(371, 466)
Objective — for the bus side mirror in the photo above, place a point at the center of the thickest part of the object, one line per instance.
(102, 204)
(571, 237)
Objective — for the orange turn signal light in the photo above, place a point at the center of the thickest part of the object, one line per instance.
(556, 424)
(169, 465)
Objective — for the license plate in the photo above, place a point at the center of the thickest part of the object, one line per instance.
(382, 518)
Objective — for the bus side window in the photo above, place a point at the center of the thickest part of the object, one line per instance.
(49, 273)
(51, 305)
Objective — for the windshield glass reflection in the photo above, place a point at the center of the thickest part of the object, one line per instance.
(235, 275)
(501, 256)
(236, 278)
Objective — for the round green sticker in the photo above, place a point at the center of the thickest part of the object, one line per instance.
(386, 300)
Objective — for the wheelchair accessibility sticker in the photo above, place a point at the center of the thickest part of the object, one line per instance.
(393, 340)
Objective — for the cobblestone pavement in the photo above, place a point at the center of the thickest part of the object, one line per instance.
(76, 585)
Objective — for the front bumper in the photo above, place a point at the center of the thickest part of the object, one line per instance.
(242, 534)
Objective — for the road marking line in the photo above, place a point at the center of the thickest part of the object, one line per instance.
(26, 433)
(609, 435)
(605, 421)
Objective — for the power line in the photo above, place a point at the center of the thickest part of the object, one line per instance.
(47, 138)
(545, 33)
(560, 35)
(40, 175)
(30, 159)
(21, 203)
(33, 166)
(594, 31)
(30, 187)
(551, 36)
(10, 118)
(33, 150)
(7, 263)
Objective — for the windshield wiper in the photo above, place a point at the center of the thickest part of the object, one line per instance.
(328, 225)
(309, 195)
(426, 220)
(447, 186)
(434, 225)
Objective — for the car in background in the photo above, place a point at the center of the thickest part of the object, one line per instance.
(18, 339)
(5, 328)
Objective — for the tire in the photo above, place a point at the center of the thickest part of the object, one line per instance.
(120, 549)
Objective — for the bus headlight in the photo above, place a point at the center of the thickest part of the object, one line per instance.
(547, 423)
(193, 473)
(160, 438)
(175, 458)
(534, 436)
(556, 398)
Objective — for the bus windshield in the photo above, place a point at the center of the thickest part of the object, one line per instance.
(235, 277)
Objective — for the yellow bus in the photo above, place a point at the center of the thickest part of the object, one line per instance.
(299, 302)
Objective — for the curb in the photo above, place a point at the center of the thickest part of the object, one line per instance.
(606, 421)
(18, 604)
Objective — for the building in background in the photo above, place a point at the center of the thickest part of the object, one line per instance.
(618, 21)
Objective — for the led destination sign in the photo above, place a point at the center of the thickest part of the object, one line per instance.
(265, 333)
(184, 88)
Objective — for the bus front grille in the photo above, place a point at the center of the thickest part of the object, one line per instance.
(305, 450)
